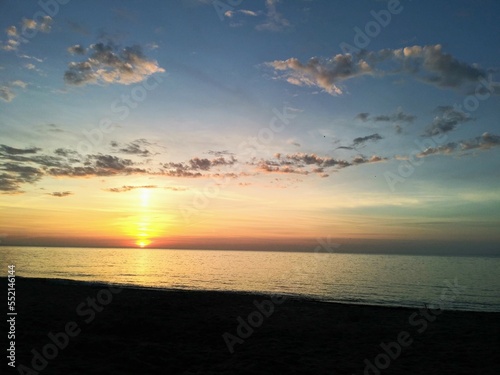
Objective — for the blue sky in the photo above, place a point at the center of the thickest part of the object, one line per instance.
(249, 121)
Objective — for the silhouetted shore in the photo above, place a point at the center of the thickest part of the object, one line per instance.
(77, 328)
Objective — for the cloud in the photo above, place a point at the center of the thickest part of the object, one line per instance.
(362, 140)
(248, 12)
(362, 116)
(14, 175)
(360, 159)
(232, 13)
(427, 64)
(20, 166)
(485, 142)
(61, 194)
(107, 63)
(6, 94)
(197, 164)
(15, 37)
(448, 148)
(126, 188)
(152, 46)
(65, 152)
(446, 121)
(438, 68)
(135, 148)
(45, 25)
(18, 151)
(275, 21)
(299, 163)
(322, 73)
(12, 31)
(220, 153)
(399, 117)
(111, 162)
(77, 49)
(303, 163)
(19, 83)
(28, 24)
(9, 184)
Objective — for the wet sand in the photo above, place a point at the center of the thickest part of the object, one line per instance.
(77, 328)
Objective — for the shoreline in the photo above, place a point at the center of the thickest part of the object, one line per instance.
(140, 331)
(290, 296)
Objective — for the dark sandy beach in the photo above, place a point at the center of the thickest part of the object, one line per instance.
(134, 331)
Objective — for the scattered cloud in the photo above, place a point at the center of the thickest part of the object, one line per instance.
(484, 142)
(77, 49)
(193, 167)
(428, 64)
(232, 13)
(6, 94)
(18, 151)
(448, 119)
(136, 147)
(325, 74)
(11, 31)
(220, 153)
(7, 91)
(362, 140)
(126, 188)
(19, 83)
(108, 64)
(15, 38)
(152, 46)
(28, 165)
(362, 116)
(60, 194)
(399, 117)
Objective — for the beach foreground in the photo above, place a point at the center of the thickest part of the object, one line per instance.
(77, 328)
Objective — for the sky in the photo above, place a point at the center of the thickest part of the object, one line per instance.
(262, 124)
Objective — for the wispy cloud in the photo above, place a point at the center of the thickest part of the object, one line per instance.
(126, 188)
(448, 119)
(362, 140)
(61, 194)
(275, 21)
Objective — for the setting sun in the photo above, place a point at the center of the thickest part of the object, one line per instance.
(143, 243)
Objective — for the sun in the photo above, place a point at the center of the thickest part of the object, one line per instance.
(143, 243)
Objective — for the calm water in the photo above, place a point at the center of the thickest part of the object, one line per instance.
(396, 280)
